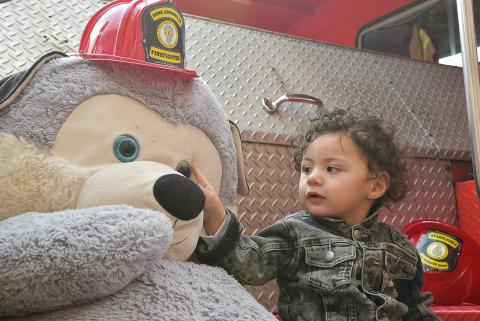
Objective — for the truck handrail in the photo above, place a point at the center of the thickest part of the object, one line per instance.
(470, 78)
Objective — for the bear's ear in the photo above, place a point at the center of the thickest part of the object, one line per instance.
(13, 85)
(242, 187)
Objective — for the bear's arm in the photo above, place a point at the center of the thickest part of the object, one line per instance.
(53, 260)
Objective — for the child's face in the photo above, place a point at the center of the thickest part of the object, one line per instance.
(335, 180)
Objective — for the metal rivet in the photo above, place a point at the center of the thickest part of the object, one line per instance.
(329, 255)
(357, 234)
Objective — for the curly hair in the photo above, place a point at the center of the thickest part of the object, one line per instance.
(375, 139)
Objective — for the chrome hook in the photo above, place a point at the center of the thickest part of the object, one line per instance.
(271, 107)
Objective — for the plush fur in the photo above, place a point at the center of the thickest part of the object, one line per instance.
(71, 257)
(89, 242)
(173, 97)
(28, 176)
(170, 291)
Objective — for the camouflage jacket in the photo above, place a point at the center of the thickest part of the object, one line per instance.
(327, 270)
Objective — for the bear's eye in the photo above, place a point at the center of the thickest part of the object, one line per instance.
(183, 167)
(126, 148)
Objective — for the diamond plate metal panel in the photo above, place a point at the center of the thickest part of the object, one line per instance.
(29, 29)
(338, 76)
(242, 66)
(439, 106)
(432, 195)
(273, 195)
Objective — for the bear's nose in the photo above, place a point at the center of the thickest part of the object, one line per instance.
(179, 196)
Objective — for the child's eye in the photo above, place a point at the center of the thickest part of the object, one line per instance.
(331, 169)
(305, 169)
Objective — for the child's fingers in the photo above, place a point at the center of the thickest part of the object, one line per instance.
(201, 179)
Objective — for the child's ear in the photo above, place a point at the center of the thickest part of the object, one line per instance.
(378, 186)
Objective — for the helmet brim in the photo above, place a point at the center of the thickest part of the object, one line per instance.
(103, 57)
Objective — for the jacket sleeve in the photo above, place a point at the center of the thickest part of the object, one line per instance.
(409, 292)
(250, 259)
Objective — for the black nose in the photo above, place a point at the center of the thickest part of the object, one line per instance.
(179, 196)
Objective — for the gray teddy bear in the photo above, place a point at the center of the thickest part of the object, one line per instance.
(98, 210)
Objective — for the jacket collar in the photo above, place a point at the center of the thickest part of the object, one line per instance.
(342, 226)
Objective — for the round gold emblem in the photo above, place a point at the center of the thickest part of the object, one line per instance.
(437, 251)
(167, 34)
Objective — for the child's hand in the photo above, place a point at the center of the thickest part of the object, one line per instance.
(214, 213)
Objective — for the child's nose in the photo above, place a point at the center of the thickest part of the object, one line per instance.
(315, 178)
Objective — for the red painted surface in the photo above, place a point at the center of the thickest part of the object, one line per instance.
(333, 21)
(468, 208)
(338, 21)
(461, 171)
(458, 313)
(259, 14)
(114, 33)
(460, 285)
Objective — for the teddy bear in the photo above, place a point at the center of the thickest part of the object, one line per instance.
(99, 212)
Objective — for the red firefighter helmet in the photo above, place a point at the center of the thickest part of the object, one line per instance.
(141, 32)
(451, 261)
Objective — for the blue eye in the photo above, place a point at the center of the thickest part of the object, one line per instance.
(126, 148)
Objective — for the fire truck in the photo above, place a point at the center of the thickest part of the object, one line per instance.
(276, 64)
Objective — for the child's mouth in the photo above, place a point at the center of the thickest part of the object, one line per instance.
(314, 196)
